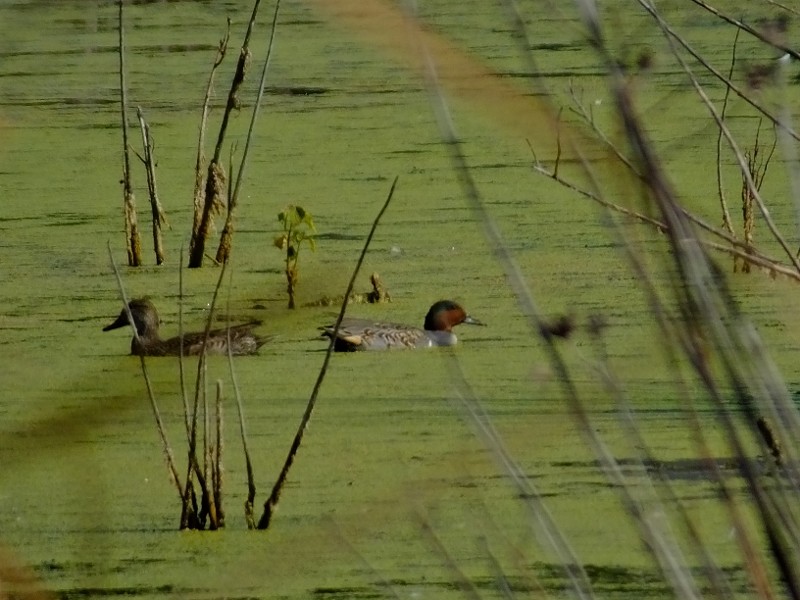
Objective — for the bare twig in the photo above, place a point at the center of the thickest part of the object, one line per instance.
(162, 432)
(159, 218)
(272, 502)
(251, 485)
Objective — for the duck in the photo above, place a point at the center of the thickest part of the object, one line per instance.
(239, 338)
(437, 330)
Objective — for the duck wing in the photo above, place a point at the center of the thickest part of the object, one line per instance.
(241, 338)
(363, 334)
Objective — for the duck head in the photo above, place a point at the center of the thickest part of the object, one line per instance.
(446, 314)
(145, 318)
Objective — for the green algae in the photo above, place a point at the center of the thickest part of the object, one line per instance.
(87, 501)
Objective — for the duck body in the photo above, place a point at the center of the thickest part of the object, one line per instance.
(239, 338)
(363, 334)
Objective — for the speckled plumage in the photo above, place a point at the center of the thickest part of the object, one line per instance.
(363, 334)
(145, 316)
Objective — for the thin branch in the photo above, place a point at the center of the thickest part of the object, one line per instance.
(272, 502)
(162, 432)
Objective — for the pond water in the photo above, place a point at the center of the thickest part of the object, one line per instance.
(393, 492)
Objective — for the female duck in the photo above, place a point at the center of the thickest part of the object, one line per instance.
(240, 338)
(362, 334)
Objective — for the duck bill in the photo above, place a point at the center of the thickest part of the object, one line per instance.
(121, 321)
(473, 321)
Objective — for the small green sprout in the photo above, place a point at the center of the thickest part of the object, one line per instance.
(298, 227)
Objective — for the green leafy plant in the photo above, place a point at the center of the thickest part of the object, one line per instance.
(298, 228)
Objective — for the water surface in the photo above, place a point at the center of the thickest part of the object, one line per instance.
(389, 472)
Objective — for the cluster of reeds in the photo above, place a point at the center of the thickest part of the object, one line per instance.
(203, 508)
(214, 190)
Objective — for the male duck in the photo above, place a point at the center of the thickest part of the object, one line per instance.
(241, 338)
(362, 334)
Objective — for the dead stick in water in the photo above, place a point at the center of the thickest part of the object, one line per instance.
(151, 395)
(159, 218)
(132, 243)
(251, 485)
(271, 504)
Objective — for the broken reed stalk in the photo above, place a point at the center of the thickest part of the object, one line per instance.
(757, 168)
(199, 169)
(167, 448)
(132, 243)
(159, 218)
(272, 502)
(226, 238)
(215, 179)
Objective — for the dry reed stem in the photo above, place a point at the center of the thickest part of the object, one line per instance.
(272, 502)
(213, 199)
(705, 300)
(133, 245)
(166, 447)
(158, 217)
(736, 248)
(199, 169)
(675, 338)
(226, 238)
(783, 7)
(181, 356)
(251, 485)
(698, 302)
(208, 504)
(726, 215)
